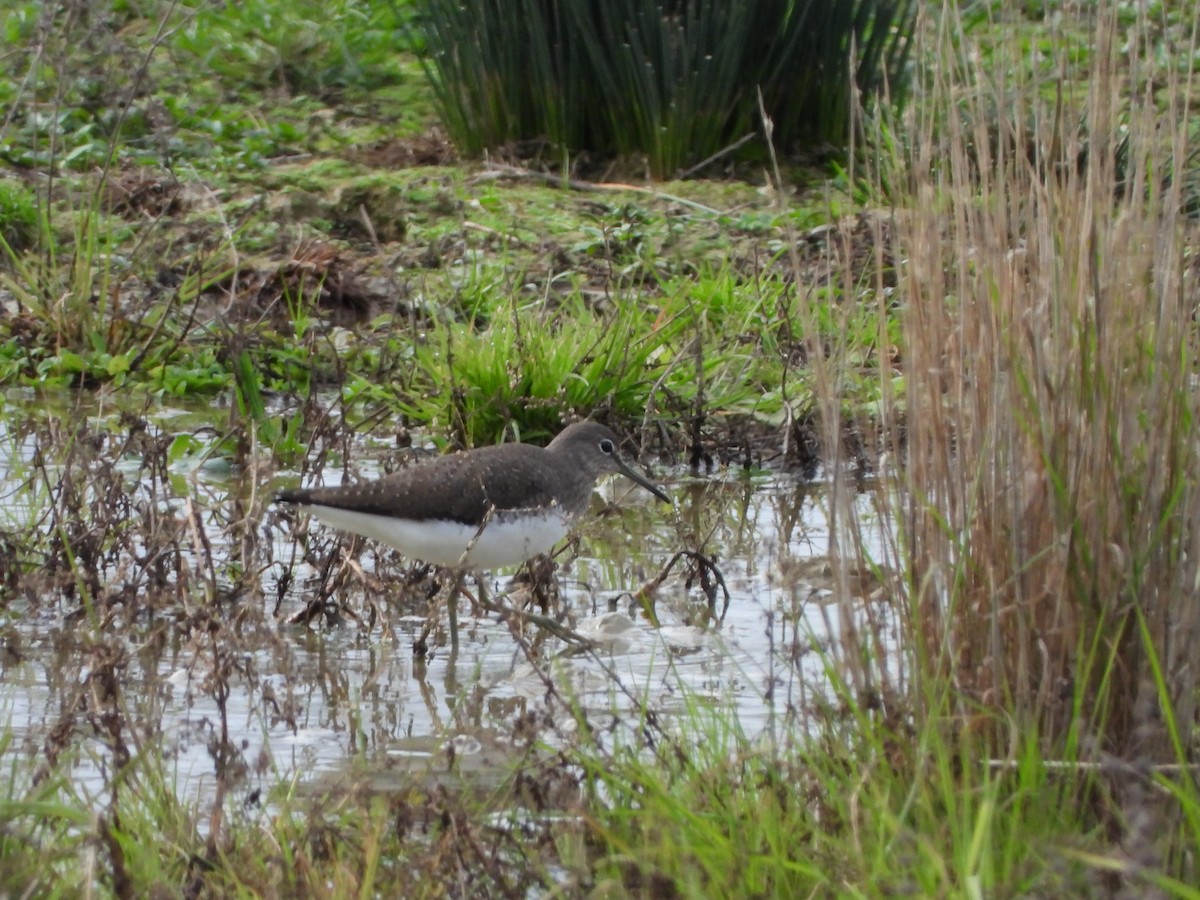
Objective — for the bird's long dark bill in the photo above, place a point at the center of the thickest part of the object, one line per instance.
(648, 485)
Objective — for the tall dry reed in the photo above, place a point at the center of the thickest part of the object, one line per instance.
(1044, 483)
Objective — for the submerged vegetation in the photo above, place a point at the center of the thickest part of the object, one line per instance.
(981, 322)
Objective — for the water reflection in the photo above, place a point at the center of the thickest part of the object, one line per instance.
(219, 666)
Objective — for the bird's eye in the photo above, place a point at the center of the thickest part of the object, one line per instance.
(606, 447)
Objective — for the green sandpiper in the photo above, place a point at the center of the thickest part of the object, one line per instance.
(478, 509)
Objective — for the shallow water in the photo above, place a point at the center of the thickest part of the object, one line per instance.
(224, 684)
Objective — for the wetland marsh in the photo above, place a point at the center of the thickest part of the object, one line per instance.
(920, 618)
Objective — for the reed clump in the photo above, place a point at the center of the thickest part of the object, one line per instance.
(675, 83)
(1046, 521)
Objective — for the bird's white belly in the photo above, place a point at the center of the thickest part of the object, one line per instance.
(506, 540)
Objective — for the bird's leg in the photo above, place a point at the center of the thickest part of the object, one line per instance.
(459, 577)
(477, 602)
(457, 587)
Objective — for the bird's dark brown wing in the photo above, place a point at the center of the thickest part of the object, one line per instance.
(448, 487)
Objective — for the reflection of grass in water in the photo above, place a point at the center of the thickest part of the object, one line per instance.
(148, 585)
(21, 497)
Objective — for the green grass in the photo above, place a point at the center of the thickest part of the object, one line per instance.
(844, 801)
(299, 48)
(675, 86)
(1004, 335)
(19, 218)
(138, 296)
(851, 808)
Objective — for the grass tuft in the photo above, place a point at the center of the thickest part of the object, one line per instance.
(1050, 355)
(677, 84)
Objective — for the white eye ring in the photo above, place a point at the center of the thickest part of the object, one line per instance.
(606, 447)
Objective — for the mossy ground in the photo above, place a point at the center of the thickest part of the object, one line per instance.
(217, 202)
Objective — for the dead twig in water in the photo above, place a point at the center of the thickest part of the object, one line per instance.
(710, 579)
